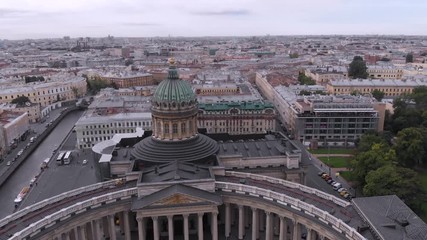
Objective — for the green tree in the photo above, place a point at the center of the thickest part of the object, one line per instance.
(367, 140)
(21, 100)
(293, 55)
(357, 68)
(410, 146)
(391, 179)
(379, 155)
(304, 80)
(377, 94)
(409, 58)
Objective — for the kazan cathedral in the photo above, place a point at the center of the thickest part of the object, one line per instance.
(174, 184)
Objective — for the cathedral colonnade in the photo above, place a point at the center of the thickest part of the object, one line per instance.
(229, 219)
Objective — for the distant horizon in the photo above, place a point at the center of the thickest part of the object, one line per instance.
(42, 19)
(225, 36)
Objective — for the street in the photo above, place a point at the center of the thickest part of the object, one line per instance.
(29, 168)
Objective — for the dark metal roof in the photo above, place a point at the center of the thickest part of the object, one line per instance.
(175, 171)
(391, 218)
(201, 197)
(190, 150)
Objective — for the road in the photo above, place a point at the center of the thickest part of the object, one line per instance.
(28, 169)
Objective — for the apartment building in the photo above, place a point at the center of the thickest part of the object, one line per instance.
(32, 109)
(63, 88)
(237, 118)
(384, 71)
(390, 87)
(12, 126)
(322, 75)
(342, 118)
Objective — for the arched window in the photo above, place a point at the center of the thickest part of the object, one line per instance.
(183, 128)
(158, 127)
(166, 128)
(174, 128)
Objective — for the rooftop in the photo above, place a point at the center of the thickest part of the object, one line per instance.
(391, 218)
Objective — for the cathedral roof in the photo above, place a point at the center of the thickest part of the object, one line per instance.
(173, 89)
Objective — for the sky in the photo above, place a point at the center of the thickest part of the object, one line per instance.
(21, 19)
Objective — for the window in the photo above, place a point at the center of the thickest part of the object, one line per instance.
(174, 128)
(183, 128)
(166, 128)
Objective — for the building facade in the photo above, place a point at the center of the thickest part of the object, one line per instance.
(13, 126)
(32, 109)
(46, 93)
(390, 87)
(237, 118)
(379, 71)
(130, 81)
(335, 118)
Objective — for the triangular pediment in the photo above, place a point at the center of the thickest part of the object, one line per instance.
(177, 195)
(177, 199)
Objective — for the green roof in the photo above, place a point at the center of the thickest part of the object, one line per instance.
(224, 106)
(173, 89)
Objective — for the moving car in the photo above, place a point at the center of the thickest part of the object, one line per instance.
(8, 163)
(84, 162)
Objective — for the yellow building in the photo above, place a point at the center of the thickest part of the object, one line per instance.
(390, 87)
(378, 71)
(45, 93)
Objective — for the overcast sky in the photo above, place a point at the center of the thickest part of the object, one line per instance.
(145, 18)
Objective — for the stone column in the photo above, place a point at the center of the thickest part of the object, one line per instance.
(83, 231)
(112, 227)
(296, 233)
(214, 226)
(156, 228)
(170, 227)
(199, 226)
(126, 225)
(141, 228)
(255, 231)
(309, 234)
(93, 227)
(283, 235)
(241, 222)
(186, 233)
(67, 236)
(227, 220)
(76, 233)
(268, 227)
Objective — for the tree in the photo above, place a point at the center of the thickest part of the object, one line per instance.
(357, 68)
(410, 146)
(367, 140)
(409, 58)
(304, 80)
(293, 55)
(378, 156)
(21, 100)
(391, 179)
(377, 94)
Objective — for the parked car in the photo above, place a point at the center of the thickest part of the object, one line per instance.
(343, 193)
(336, 186)
(341, 189)
(329, 181)
(325, 175)
(321, 173)
(348, 196)
(8, 163)
(328, 178)
(84, 162)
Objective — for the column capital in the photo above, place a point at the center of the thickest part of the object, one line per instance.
(267, 213)
(254, 209)
(227, 204)
(155, 218)
(139, 219)
(169, 216)
(200, 214)
(186, 215)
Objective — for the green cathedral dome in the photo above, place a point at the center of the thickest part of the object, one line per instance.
(173, 90)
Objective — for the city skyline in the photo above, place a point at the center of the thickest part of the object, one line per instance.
(21, 19)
